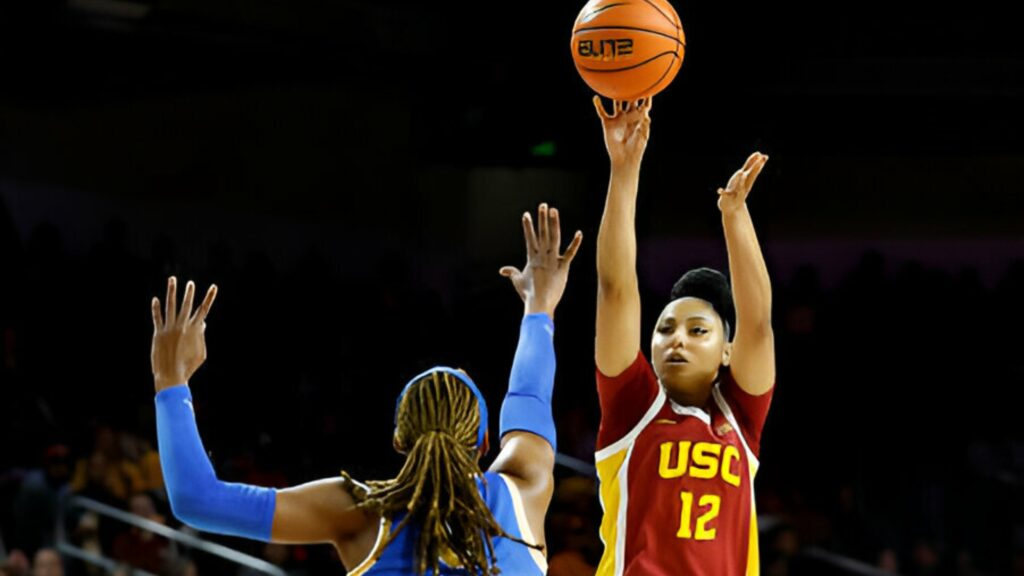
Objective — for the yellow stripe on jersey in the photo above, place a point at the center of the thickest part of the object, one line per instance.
(611, 500)
(753, 551)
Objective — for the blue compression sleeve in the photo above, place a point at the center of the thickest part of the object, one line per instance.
(527, 405)
(197, 497)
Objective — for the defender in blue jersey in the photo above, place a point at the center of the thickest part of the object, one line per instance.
(442, 515)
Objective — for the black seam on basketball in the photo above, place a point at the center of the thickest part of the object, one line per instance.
(670, 64)
(637, 65)
(590, 16)
(670, 21)
(655, 32)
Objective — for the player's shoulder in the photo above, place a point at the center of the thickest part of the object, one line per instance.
(350, 491)
(639, 369)
(348, 495)
(735, 391)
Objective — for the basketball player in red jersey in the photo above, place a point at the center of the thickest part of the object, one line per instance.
(680, 433)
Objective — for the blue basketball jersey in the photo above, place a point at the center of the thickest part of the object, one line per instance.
(513, 558)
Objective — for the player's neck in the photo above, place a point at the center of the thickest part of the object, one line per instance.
(696, 396)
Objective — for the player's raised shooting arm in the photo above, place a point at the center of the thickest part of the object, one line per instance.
(528, 440)
(753, 354)
(617, 343)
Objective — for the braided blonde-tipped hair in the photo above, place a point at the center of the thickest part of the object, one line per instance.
(437, 425)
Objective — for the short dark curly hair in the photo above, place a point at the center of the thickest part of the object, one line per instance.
(713, 287)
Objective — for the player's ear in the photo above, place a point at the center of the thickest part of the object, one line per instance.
(486, 446)
(726, 353)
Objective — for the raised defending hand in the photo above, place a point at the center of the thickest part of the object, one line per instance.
(734, 195)
(626, 130)
(179, 344)
(542, 281)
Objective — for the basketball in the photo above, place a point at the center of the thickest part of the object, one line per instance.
(628, 49)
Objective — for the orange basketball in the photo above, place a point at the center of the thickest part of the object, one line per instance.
(628, 49)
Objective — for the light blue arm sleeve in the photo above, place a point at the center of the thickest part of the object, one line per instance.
(527, 405)
(197, 497)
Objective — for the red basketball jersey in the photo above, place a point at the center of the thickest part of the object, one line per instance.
(677, 481)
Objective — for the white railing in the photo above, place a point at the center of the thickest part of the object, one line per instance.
(175, 536)
(578, 466)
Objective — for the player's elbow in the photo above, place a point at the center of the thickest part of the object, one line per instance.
(754, 315)
(757, 332)
(762, 329)
(531, 460)
(615, 291)
(192, 502)
(541, 487)
(186, 504)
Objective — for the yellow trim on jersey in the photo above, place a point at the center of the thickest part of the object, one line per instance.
(753, 552)
(612, 462)
(613, 500)
(753, 549)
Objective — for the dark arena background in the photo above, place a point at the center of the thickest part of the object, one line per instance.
(351, 175)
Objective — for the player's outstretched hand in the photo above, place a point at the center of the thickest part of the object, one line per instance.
(179, 342)
(541, 282)
(734, 195)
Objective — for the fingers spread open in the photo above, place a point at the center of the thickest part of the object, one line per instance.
(543, 230)
(574, 247)
(186, 303)
(172, 300)
(528, 234)
(204, 308)
(158, 321)
(555, 227)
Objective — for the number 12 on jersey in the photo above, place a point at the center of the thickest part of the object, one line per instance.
(701, 531)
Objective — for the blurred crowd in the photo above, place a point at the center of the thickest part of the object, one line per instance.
(891, 440)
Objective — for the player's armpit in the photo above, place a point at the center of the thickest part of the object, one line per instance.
(529, 461)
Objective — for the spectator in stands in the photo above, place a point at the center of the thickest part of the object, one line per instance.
(141, 548)
(37, 499)
(16, 564)
(47, 563)
(106, 475)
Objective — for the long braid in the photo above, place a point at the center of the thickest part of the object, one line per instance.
(436, 488)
